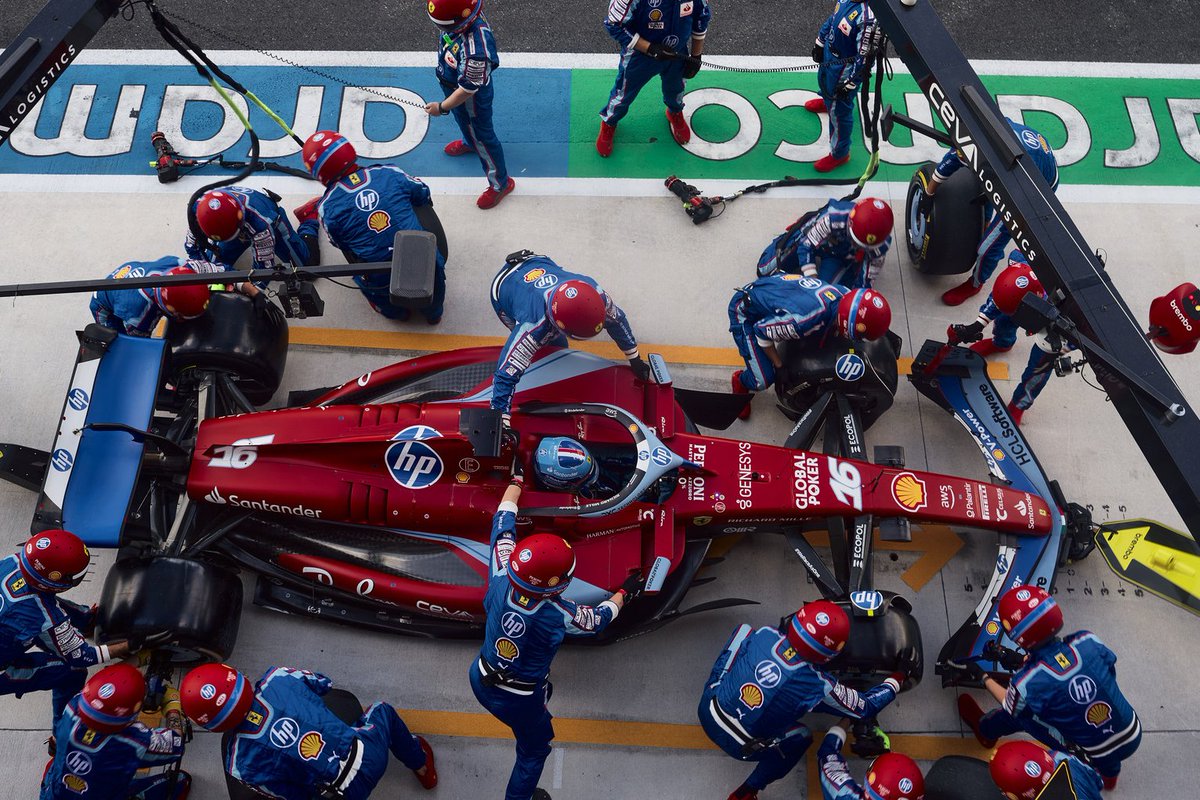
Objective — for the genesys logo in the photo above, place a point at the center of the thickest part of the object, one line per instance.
(216, 498)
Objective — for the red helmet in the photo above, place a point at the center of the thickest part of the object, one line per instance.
(1029, 615)
(819, 631)
(1012, 285)
(183, 302)
(870, 222)
(216, 696)
(328, 156)
(220, 215)
(1021, 769)
(54, 560)
(454, 13)
(541, 564)
(893, 776)
(112, 698)
(863, 314)
(577, 309)
(1175, 320)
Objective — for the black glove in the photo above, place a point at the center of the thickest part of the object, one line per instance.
(965, 333)
(970, 670)
(909, 661)
(660, 52)
(633, 585)
(818, 52)
(925, 204)
(260, 302)
(143, 641)
(846, 89)
(640, 369)
(691, 66)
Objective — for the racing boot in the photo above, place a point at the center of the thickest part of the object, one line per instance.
(540, 794)
(679, 127)
(458, 148)
(740, 388)
(971, 713)
(604, 142)
(307, 211)
(961, 293)
(490, 197)
(827, 163)
(427, 774)
(1015, 413)
(743, 792)
(816, 106)
(1109, 782)
(988, 347)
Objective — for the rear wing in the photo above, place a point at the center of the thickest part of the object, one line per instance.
(91, 475)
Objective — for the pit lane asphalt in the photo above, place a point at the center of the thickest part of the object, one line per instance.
(1105, 30)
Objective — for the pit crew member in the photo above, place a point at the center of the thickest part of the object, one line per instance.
(652, 36)
(844, 48)
(891, 776)
(1010, 288)
(467, 56)
(842, 242)
(361, 210)
(766, 679)
(543, 305)
(527, 620)
(33, 615)
(284, 742)
(237, 218)
(1022, 769)
(137, 311)
(1066, 695)
(995, 235)
(785, 307)
(101, 746)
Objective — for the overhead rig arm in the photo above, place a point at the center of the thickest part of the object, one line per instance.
(1060, 256)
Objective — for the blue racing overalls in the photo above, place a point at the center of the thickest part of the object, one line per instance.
(847, 36)
(819, 245)
(266, 231)
(672, 23)
(137, 311)
(466, 59)
(510, 677)
(361, 213)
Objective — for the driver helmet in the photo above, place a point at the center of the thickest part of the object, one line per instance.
(54, 560)
(541, 565)
(819, 631)
(111, 699)
(1021, 769)
(220, 215)
(563, 464)
(216, 697)
(328, 156)
(894, 776)
(1029, 616)
(1016, 281)
(182, 302)
(863, 314)
(870, 222)
(577, 309)
(454, 15)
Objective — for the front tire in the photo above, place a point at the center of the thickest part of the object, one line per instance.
(875, 643)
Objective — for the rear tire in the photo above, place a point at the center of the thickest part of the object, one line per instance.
(200, 603)
(874, 644)
(947, 242)
(960, 778)
(231, 337)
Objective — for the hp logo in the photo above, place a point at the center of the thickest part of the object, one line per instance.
(61, 460)
(867, 601)
(78, 399)
(414, 465)
(661, 456)
(849, 367)
(367, 200)
(513, 625)
(285, 733)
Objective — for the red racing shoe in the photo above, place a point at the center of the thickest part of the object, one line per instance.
(428, 778)
(961, 293)
(307, 211)
(971, 713)
(458, 148)
(490, 197)
(1110, 782)
(740, 388)
(988, 347)
(743, 792)
(604, 142)
(816, 106)
(679, 127)
(827, 163)
(1015, 413)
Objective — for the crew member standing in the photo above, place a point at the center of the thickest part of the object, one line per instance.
(657, 37)
(467, 56)
(844, 47)
(527, 620)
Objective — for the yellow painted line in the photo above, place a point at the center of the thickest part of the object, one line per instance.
(439, 342)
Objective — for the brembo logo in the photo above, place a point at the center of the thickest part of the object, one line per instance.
(261, 505)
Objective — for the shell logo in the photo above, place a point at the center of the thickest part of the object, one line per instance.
(752, 695)
(75, 783)
(311, 745)
(507, 649)
(379, 221)
(1098, 714)
(909, 491)
(533, 275)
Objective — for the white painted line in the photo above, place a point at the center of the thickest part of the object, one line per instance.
(563, 187)
(558, 761)
(338, 58)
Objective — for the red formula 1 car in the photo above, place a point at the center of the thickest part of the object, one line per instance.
(371, 503)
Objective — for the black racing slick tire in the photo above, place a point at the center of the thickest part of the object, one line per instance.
(232, 337)
(875, 643)
(945, 242)
(865, 372)
(199, 603)
(960, 778)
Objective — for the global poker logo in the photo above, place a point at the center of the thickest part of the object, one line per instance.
(849, 367)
